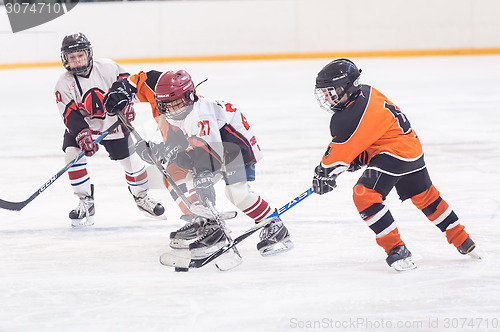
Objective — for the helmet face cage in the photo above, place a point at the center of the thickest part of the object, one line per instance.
(330, 98)
(327, 98)
(176, 109)
(77, 43)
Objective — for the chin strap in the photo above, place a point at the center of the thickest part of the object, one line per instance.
(352, 97)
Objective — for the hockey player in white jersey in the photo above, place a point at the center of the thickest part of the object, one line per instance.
(79, 94)
(220, 145)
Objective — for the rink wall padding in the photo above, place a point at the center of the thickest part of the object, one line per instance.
(204, 30)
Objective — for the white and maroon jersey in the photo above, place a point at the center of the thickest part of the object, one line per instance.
(79, 99)
(219, 136)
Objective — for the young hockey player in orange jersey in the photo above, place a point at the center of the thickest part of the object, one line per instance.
(212, 140)
(79, 94)
(368, 129)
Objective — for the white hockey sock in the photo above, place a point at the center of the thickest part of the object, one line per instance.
(135, 174)
(248, 201)
(78, 176)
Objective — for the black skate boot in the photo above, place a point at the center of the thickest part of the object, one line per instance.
(467, 248)
(148, 206)
(181, 238)
(274, 238)
(213, 239)
(399, 258)
(83, 215)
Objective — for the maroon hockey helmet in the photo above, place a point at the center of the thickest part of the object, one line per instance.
(175, 94)
(77, 42)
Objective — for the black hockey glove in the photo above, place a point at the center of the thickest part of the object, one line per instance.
(178, 155)
(141, 148)
(358, 162)
(176, 148)
(204, 184)
(323, 180)
(119, 96)
(166, 154)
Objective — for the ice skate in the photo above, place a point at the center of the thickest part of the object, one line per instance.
(399, 258)
(149, 206)
(181, 238)
(213, 239)
(274, 238)
(194, 228)
(467, 248)
(83, 215)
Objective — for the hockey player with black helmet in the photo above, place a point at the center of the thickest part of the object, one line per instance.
(337, 84)
(79, 94)
(77, 49)
(368, 129)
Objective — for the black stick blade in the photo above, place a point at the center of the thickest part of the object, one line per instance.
(13, 206)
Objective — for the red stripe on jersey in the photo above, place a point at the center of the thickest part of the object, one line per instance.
(69, 108)
(241, 137)
(75, 175)
(201, 144)
(137, 178)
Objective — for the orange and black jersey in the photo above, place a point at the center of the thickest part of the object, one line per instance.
(373, 124)
(145, 82)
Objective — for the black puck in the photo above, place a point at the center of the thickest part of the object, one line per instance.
(181, 269)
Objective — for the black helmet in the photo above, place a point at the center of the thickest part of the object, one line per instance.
(334, 81)
(76, 43)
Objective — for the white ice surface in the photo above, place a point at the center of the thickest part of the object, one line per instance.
(108, 278)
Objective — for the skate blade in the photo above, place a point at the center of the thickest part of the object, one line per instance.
(474, 255)
(206, 213)
(228, 261)
(404, 265)
(77, 223)
(180, 243)
(169, 259)
(226, 215)
(277, 248)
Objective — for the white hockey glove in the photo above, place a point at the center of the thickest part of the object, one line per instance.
(204, 184)
(323, 180)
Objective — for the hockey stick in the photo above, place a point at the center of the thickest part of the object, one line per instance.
(16, 206)
(226, 264)
(186, 262)
(193, 208)
(199, 210)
